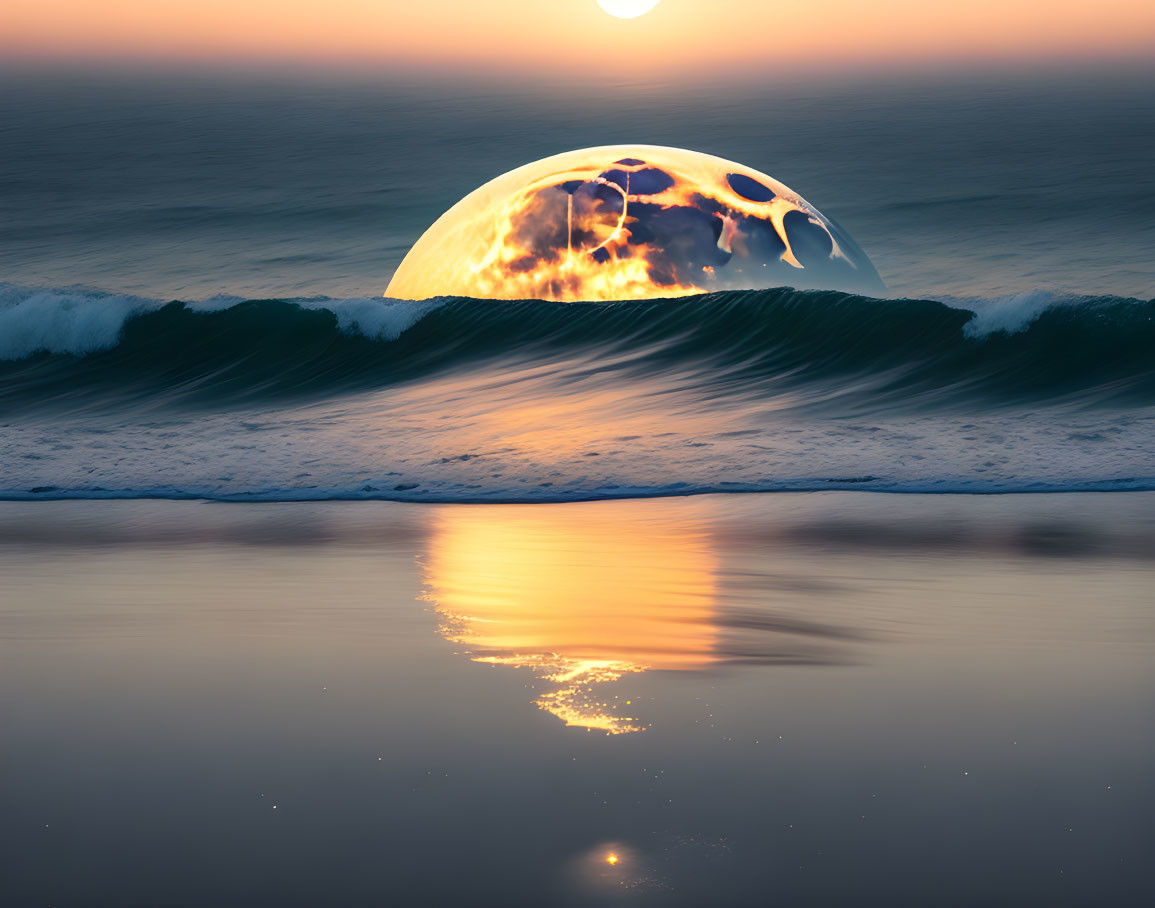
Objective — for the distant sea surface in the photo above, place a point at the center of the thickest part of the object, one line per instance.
(192, 274)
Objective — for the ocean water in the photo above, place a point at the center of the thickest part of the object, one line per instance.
(193, 271)
(492, 690)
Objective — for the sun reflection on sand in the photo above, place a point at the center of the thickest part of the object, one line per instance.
(578, 599)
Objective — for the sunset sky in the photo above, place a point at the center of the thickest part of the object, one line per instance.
(679, 35)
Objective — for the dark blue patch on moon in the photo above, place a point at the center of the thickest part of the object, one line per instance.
(749, 188)
(603, 197)
(810, 244)
(763, 244)
(650, 181)
(683, 241)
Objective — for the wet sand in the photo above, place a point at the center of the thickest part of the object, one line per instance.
(831, 698)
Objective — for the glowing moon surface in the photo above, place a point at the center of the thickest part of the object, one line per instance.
(627, 9)
(630, 222)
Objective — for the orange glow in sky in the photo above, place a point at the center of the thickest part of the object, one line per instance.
(685, 36)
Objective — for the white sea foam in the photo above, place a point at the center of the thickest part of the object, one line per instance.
(395, 446)
(72, 321)
(80, 321)
(377, 318)
(1010, 314)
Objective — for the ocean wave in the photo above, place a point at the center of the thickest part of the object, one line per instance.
(77, 347)
(78, 321)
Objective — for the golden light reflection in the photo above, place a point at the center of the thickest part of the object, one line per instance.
(578, 596)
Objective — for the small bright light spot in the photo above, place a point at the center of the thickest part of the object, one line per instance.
(627, 9)
(612, 859)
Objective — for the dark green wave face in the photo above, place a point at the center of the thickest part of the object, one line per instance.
(837, 351)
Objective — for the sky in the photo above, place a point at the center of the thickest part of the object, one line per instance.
(684, 36)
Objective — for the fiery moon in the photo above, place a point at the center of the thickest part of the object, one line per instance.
(627, 9)
(630, 222)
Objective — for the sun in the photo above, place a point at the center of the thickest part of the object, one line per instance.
(627, 9)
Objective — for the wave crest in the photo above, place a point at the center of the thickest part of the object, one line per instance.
(72, 345)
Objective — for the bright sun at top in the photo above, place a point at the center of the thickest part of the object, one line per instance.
(627, 9)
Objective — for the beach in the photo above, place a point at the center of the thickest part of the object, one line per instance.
(844, 696)
(554, 582)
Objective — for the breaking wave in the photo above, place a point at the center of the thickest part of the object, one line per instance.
(105, 396)
(68, 348)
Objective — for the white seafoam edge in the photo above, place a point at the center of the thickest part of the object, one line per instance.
(80, 321)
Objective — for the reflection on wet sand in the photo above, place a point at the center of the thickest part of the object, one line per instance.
(579, 599)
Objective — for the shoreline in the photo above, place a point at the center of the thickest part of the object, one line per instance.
(1145, 486)
(1073, 524)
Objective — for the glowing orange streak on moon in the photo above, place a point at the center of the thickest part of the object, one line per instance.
(625, 207)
